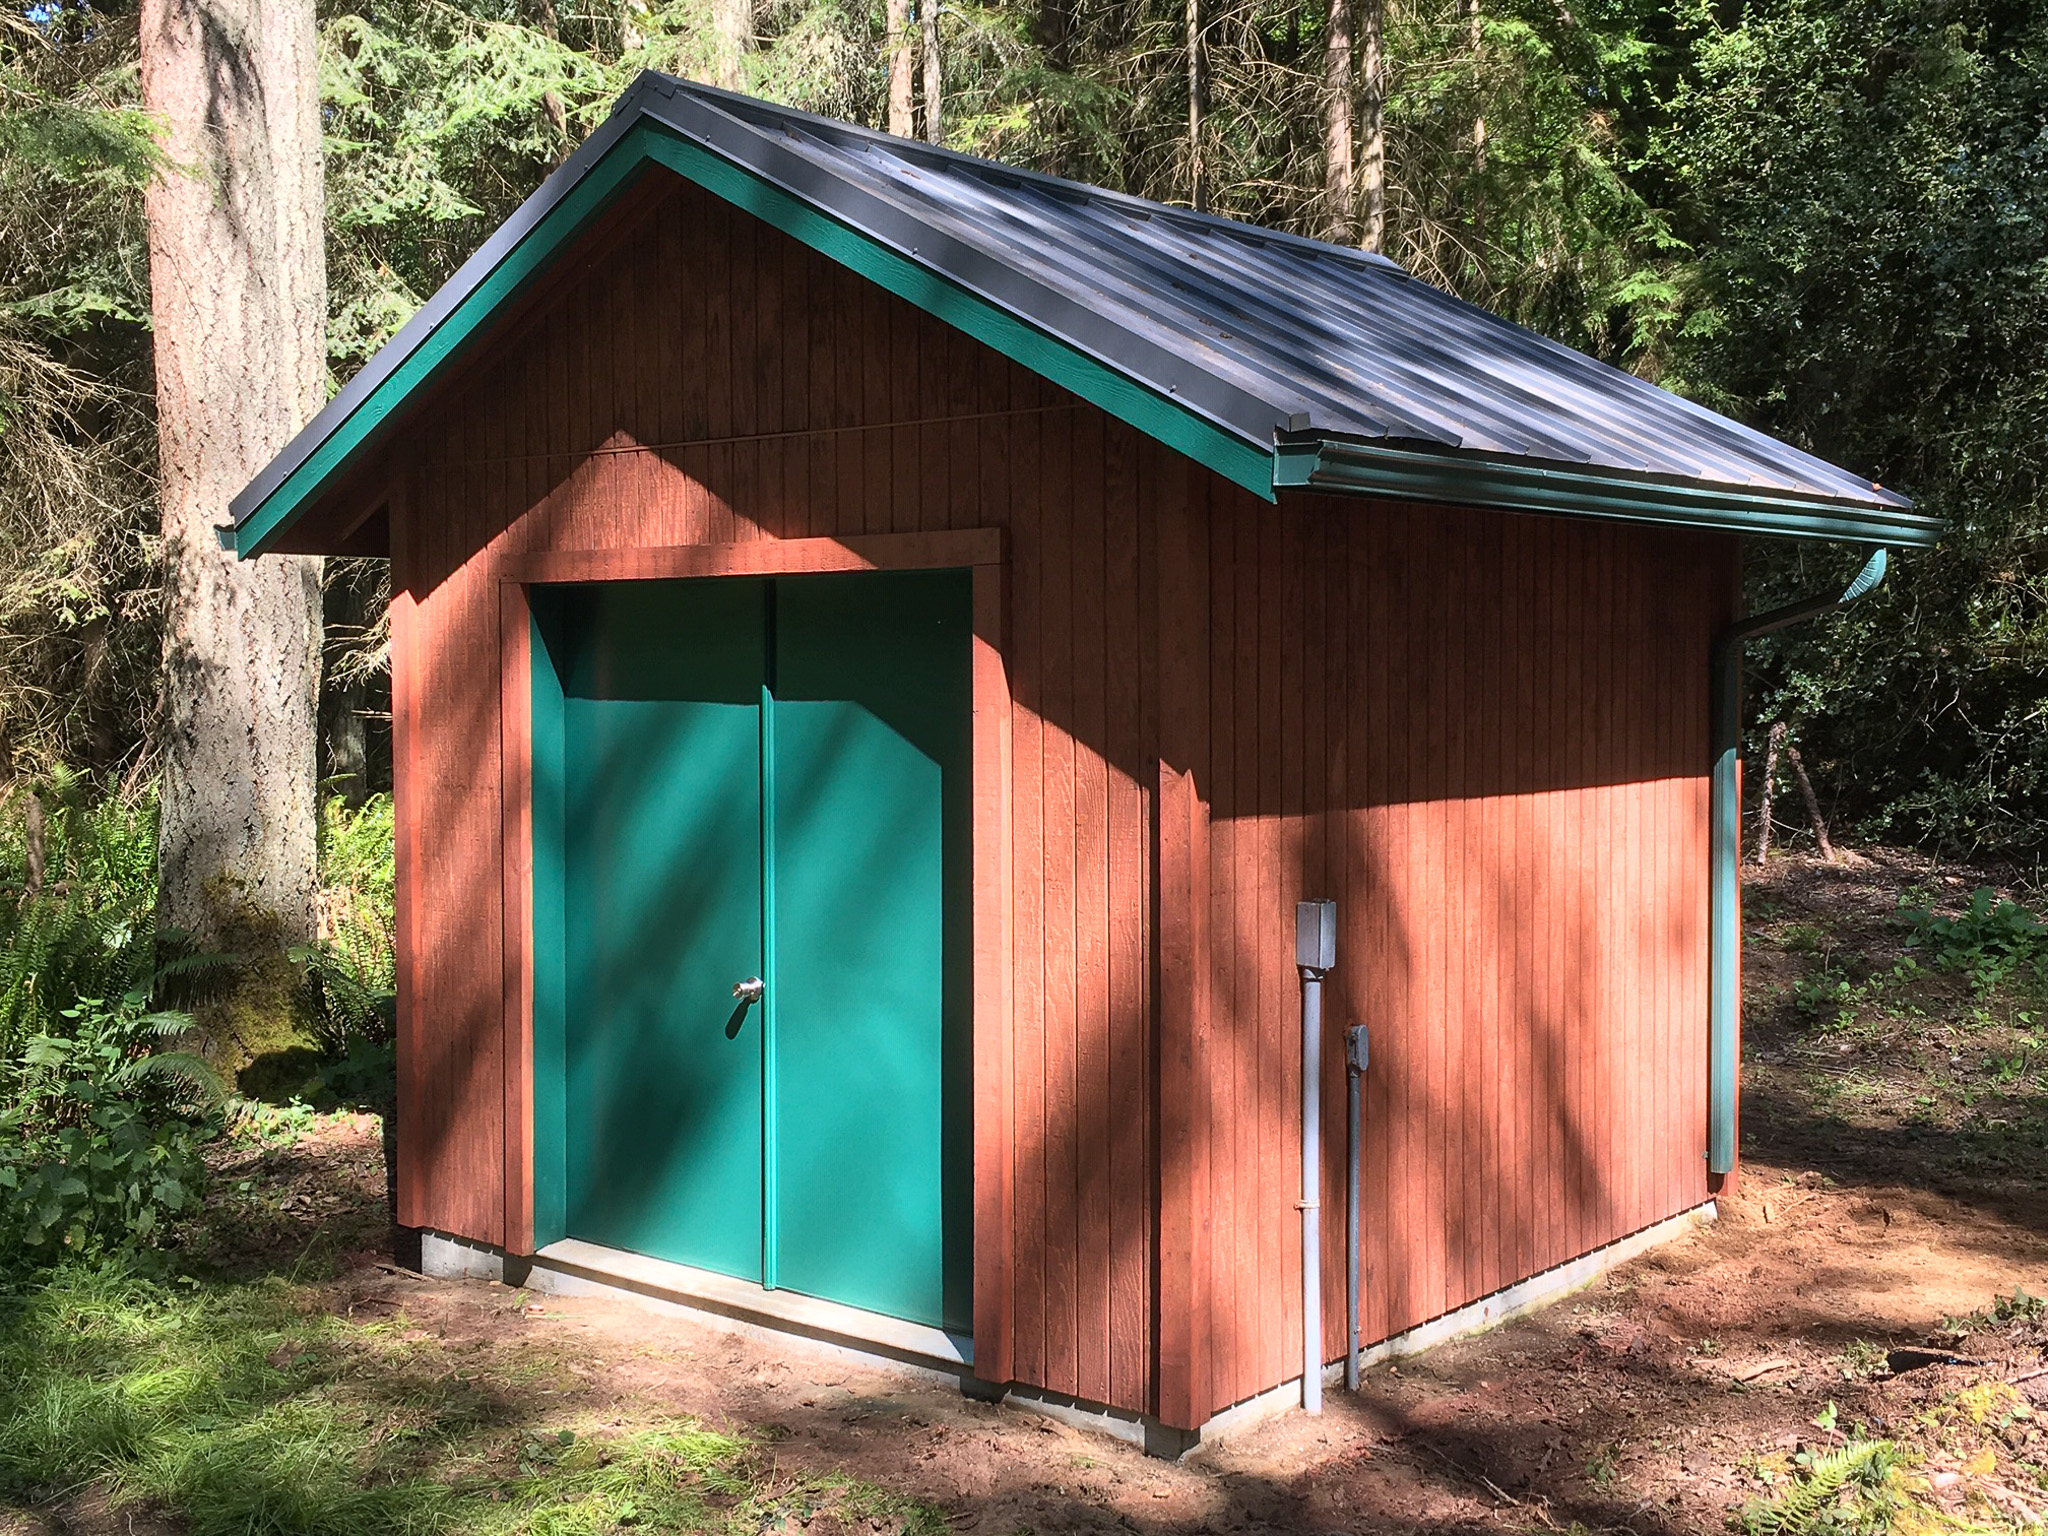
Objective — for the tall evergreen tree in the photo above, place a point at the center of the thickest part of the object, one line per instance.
(238, 300)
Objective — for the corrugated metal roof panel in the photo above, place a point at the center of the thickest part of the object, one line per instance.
(1274, 341)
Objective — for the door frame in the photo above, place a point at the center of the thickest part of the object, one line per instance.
(979, 551)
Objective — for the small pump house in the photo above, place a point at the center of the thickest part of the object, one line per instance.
(881, 644)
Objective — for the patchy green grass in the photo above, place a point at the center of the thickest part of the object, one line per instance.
(243, 1407)
(1896, 1021)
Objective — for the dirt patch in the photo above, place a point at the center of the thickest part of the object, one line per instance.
(1848, 1290)
(1654, 1401)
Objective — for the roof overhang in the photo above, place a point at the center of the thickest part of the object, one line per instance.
(1405, 473)
(659, 128)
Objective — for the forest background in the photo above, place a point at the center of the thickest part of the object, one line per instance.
(1826, 217)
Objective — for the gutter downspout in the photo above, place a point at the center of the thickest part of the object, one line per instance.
(1725, 818)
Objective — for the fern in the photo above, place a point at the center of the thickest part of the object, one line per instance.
(1813, 1503)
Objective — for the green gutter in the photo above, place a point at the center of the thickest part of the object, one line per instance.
(1244, 462)
(1724, 931)
(1518, 485)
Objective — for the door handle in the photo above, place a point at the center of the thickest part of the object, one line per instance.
(749, 992)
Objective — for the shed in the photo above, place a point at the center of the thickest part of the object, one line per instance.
(881, 643)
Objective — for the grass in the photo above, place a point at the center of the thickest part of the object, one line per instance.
(243, 1408)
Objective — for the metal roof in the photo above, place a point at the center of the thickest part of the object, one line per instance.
(1283, 361)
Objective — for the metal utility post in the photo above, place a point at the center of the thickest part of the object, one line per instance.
(1357, 1052)
(1315, 952)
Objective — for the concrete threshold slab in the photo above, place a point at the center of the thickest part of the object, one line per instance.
(788, 1311)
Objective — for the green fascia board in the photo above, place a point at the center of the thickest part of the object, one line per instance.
(1229, 454)
(1324, 464)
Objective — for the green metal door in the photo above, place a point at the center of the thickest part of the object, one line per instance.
(661, 773)
(870, 874)
(739, 778)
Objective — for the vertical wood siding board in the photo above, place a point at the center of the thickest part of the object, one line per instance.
(641, 522)
(1393, 729)
(715, 254)
(995, 1085)
(1506, 1027)
(1092, 981)
(405, 797)
(1147, 461)
(1224, 1267)
(1165, 557)
(1647, 980)
(1464, 939)
(877, 389)
(1248, 1128)
(1364, 792)
(1553, 852)
(1193, 491)
(1283, 883)
(1028, 746)
(1484, 1041)
(695, 298)
(1435, 634)
(1613, 1161)
(1129, 917)
(1279, 881)
(1062, 1240)
(758, 331)
(481, 1124)
(1524, 1015)
(516, 822)
(1585, 889)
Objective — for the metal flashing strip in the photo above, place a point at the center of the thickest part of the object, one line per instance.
(1406, 474)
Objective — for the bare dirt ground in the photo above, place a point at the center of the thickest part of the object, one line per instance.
(1850, 1292)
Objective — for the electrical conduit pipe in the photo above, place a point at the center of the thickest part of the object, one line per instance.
(1724, 930)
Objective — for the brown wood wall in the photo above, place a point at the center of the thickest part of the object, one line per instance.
(1484, 735)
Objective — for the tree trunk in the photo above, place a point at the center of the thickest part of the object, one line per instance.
(1766, 809)
(1373, 163)
(902, 69)
(734, 21)
(1198, 110)
(238, 297)
(343, 696)
(1338, 220)
(1820, 826)
(934, 78)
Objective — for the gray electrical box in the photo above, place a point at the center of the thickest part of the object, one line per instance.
(1315, 935)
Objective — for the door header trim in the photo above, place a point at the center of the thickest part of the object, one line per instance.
(952, 548)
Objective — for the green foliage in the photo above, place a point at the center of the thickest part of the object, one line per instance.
(1866, 184)
(1847, 1489)
(1987, 941)
(233, 1409)
(101, 1134)
(88, 933)
(349, 994)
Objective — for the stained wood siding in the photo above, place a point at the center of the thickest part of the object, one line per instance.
(1481, 735)
(1484, 735)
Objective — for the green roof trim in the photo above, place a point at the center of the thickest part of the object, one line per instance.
(1519, 485)
(647, 143)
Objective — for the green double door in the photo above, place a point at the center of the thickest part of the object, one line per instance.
(758, 781)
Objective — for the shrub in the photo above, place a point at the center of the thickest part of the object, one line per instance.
(1987, 941)
(101, 1134)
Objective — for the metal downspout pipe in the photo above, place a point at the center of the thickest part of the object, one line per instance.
(1725, 847)
(1315, 952)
